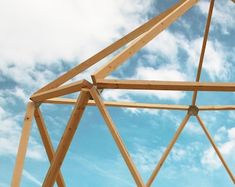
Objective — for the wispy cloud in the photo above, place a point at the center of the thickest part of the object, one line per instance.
(31, 178)
(226, 143)
(223, 14)
(10, 131)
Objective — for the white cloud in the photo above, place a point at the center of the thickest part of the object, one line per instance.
(215, 60)
(149, 73)
(223, 14)
(146, 158)
(210, 159)
(164, 73)
(193, 128)
(226, 147)
(180, 159)
(231, 115)
(166, 44)
(9, 140)
(44, 32)
(30, 177)
(102, 168)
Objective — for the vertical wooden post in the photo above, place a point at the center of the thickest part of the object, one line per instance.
(66, 139)
(23, 145)
(47, 142)
(116, 137)
(215, 148)
(167, 151)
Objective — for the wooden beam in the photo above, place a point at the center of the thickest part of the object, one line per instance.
(106, 51)
(225, 107)
(20, 157)
(167, 151)
(66, 139)
(144, 39)
(215, 148)
(165, 85)
(117, 137)
(120, 104)
(63, 90)
(199, 70)
(47, 142)
(68, 101)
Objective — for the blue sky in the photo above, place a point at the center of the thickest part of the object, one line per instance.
(39, 40)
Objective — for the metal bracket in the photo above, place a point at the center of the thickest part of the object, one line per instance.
(193, 110)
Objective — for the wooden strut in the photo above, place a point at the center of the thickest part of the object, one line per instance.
(107, 51)
(165, 85)
(119, 104)
(66, 139)
(116, 137)
(68, 101)
(199, 70)
(47, 142)
(63, 90)
(215, 148)
(144, 39)
(20, 157)
(136, 39)
(167, 151)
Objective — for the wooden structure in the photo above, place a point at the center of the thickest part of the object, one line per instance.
(90, 95)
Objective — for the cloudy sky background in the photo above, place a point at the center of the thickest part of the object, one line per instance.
(40, 40)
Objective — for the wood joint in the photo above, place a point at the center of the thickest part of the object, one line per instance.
(193, 110)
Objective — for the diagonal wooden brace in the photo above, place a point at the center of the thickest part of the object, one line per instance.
(116, 137)
(168, 150)
(107, 51)
(66, 139)
(47, 142)
(215, 148)
(161, 25)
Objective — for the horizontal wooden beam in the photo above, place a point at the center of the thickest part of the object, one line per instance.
(68, 101)
(62, 90)
(165, 85)
(128, 52)
(120, 104)
(107, 51)
(225, 107)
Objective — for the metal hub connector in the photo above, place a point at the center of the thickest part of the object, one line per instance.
(193, 110)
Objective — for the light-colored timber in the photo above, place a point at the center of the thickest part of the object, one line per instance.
(90, 94)
(199, 70)
(165, 85)
(24, 139)
(63, 90)
(120, 104)
(215, 148)
(167, 151)
(117, 138)
(143, 40)
(66, 139)
(225, 107)
(68, 101)
(107, 51)
(47, 142)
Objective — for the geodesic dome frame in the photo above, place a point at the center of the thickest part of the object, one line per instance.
(90, 95)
